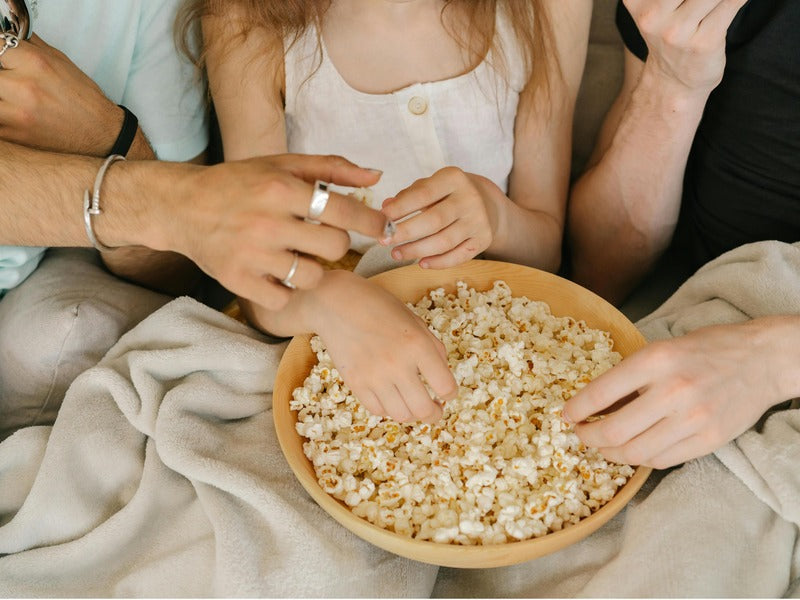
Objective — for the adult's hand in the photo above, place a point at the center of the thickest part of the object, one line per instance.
(686, 38)
(455, 220)
(241, 222)
(693, 394)
(47, 102)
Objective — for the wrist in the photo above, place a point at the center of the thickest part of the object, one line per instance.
(778, 337)
(498, 206)
(670, 94)
(307, 312)
(127, 132)
(316, 308)
(107, 128)
(143, 204)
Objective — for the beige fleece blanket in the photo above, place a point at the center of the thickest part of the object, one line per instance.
(162, 476)
(725, 525)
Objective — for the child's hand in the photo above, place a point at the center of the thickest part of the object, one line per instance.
(457, 218)
(380, 348)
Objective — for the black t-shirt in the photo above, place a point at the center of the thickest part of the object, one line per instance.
(742, 181)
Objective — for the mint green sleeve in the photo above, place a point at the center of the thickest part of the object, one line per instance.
(16, 263)
(164, 90)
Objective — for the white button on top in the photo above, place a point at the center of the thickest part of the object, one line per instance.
(418, 105)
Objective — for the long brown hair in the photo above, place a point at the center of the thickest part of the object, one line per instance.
(287, 20)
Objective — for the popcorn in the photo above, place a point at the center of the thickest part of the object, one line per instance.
(501, 465)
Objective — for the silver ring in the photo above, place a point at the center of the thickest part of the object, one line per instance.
(319, 200)
(287, 281)
(9, 41)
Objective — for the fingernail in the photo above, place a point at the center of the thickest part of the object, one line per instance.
(385, 202)
(566, 418)
(377, 172)
(396, 254)
(423, 264)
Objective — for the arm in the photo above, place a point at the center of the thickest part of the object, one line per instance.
(387, 382)
(624, 209)
(34, 114)
(249, 109)
(465, 214)
(186, 209)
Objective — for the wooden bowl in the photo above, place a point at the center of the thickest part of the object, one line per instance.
(410, 284)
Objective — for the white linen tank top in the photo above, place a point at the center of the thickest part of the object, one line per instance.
(465, 121)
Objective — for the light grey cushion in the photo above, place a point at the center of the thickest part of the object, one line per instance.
(56, 324)
(602, 79)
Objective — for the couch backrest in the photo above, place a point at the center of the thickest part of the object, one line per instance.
(602, 79)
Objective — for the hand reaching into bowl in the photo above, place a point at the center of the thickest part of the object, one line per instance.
(380, 348)
(695, 393)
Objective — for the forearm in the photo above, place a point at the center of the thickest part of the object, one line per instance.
(48, 209)
(43, 199)
(167, 272)
(623, 211)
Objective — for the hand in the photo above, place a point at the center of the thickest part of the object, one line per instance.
(686, 39)
(47, 102)
(695, 394)
(240, 222)
(381, 348)
(456, 222)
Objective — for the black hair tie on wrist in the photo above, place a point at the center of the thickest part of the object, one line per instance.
(125, 138)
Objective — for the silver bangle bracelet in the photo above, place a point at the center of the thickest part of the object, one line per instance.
(91, 204)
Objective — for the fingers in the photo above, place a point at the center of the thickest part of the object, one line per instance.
(331, 169)
(459, 255)
(346, 212)
(718, 21)
(643, 448)
(326, 242)
(307, 272)
(418, 401)
(405, 397)
(261, 289)
(394, 404)
(432, 220)
(629, 376)
(438, 375)
(690, 13)
(371, 402)
(440, 251)
(423, 193)
(624, 424)
(343, 212)
(687, 449)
